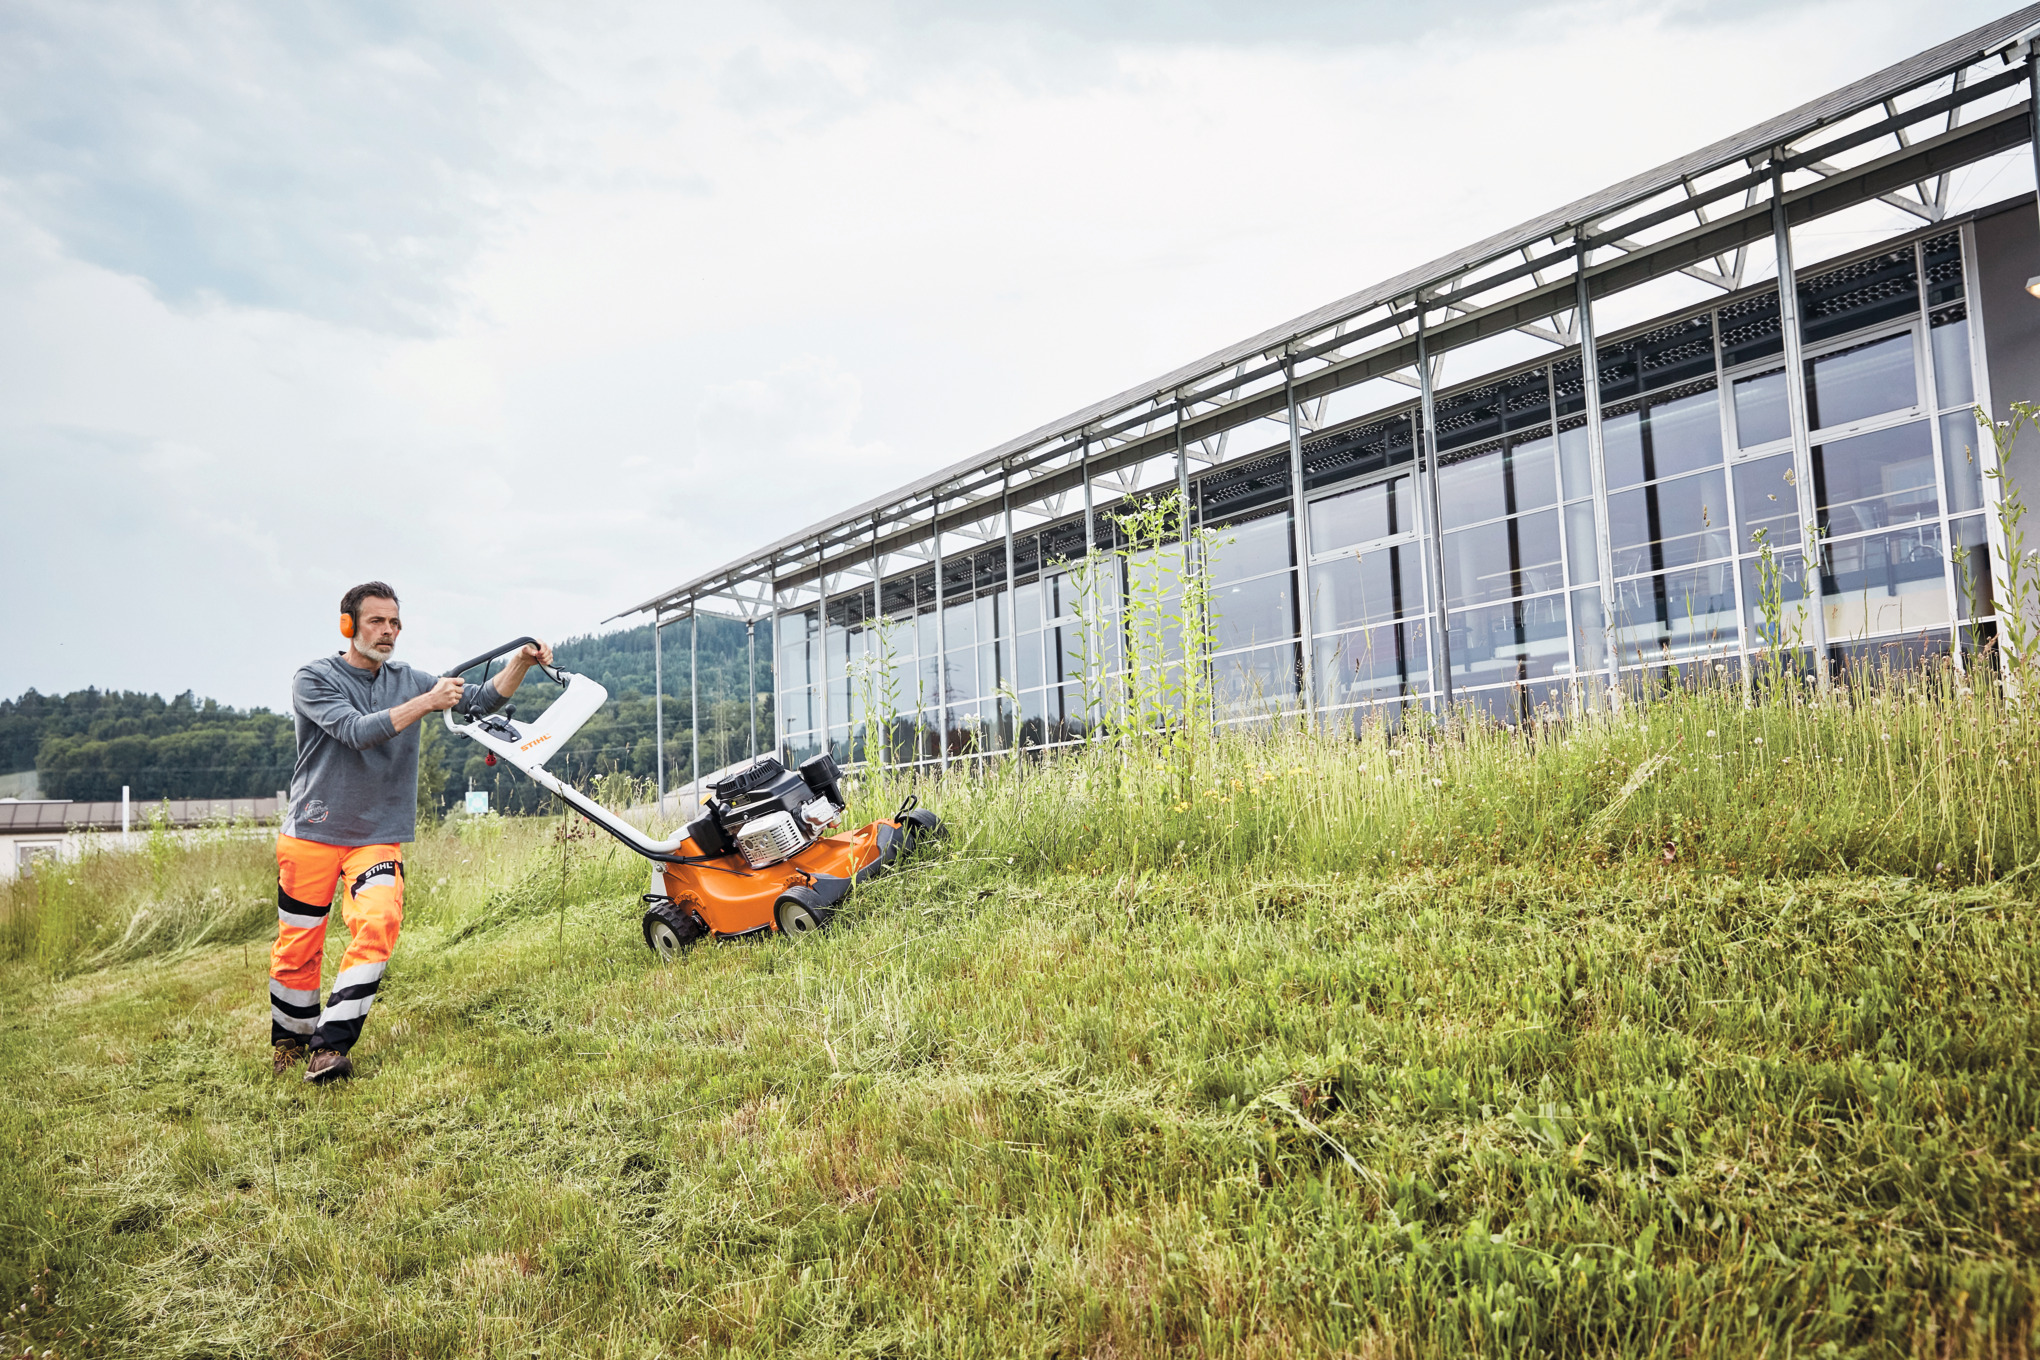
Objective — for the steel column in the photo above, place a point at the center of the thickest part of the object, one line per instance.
(1011, 657)
(1597, 465)
(1093, 638)
(872, 635)
(772, 662)
(694, 695)
(1802, 444)
(1441, 647)
(1300, 540)
(659, 703)
(822, 643)
(941, 647)
(751, 629)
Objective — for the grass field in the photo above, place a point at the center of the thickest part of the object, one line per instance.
(1708, 1029)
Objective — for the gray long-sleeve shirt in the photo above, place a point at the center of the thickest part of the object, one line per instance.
(356, 779)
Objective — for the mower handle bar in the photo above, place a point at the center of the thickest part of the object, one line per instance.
(508, 647)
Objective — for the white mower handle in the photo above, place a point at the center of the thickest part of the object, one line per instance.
(527, 747)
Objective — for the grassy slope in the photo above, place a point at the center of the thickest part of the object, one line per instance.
(1569, 1103)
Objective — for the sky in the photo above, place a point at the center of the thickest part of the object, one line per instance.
(534, 310)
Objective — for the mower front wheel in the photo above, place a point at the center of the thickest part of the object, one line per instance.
(800, 911)
(670, 928)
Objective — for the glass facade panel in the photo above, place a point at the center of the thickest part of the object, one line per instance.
(1774, 602)
(1499, 480)
(1975, 594)
(1767, 498)
(1028, 649)
(1582, 557)
(1859, 382)
(1500, 561)
(1368, 664)
(1960, 465)
(1589, 633)
(1675, 614)
(1669, 524)
(1877, 479)
(1258, 681)
(1681, 435)
(1251, 612)
(1473, 489)
(1363, 515)
(1762, 413)
(1521, 640)
(1892, 582)
(1533, 473)
(1574, 463)
(1252, 549)
(1367, 588)
(1954, 382)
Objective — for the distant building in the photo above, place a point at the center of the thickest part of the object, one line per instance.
(60, 829)
(1566, 458)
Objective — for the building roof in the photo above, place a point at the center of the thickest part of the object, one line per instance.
(57, 816)
(1585, 217)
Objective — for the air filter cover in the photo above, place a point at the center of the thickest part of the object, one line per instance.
(770, 839)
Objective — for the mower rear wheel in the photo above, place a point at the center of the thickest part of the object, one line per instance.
(670, 928)
(800, 912)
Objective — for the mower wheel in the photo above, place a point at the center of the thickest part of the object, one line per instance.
(799, 911)
(670, 928)
(920, 825)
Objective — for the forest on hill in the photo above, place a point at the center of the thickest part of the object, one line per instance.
(89, 743)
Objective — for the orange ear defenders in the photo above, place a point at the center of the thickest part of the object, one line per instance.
(347, 625)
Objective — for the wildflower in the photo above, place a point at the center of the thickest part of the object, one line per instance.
(1437, 783)
(1884, 736)
(1710, 731)
(1756, 741)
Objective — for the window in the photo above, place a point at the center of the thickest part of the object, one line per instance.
(1877, 479)
(1367, 595)
(1861, 381)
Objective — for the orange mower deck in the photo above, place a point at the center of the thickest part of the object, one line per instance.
(724, 898)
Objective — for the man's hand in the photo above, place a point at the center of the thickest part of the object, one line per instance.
(445, 693)
(506, 681)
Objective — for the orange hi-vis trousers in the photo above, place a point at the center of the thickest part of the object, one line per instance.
(306, 873)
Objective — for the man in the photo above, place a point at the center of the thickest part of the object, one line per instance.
(353, 803)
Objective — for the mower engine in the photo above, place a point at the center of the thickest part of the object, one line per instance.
(767, 813)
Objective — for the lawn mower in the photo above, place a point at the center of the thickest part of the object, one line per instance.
(756, 859)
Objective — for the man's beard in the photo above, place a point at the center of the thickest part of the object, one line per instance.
(373, 652)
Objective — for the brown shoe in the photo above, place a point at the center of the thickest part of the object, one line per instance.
(328, 1065)
(286, 1056)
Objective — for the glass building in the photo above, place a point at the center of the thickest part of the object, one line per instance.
(1570, 457)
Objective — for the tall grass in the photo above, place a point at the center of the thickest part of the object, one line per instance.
(1929, 773)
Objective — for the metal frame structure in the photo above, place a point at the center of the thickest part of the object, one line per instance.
(1894, 137)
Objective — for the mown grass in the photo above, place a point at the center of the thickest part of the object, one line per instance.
(1606, 1038)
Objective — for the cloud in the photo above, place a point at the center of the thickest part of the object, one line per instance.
(342, 161)
(537, 312)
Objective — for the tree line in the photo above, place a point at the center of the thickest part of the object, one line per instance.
(87, 744)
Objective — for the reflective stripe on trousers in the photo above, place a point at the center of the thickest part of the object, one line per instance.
(372, 906)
